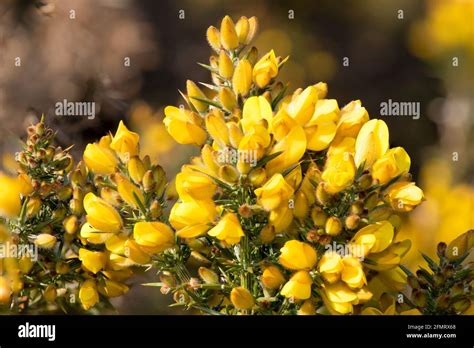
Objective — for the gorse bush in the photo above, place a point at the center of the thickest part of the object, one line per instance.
(292, 207)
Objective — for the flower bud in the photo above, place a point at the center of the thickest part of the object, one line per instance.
(194, 91)
(318, 216)
(242, 28)
(136, 169)
(208, 276)
(352, 221)
(241, 298)
(333, 226)
(71, 224)
(301, 205)
(149, 183)
(229, 38)
(226, 67)
(242, 78)
(272, 277)
(267, 234)
(213, 38)
(46, 241)
(227, 98)
(217, 128)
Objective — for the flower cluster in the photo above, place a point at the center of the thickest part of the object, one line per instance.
(122, 202)
(64, 233)
(284, 182)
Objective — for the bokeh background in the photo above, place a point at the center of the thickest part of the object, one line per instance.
(404, 50)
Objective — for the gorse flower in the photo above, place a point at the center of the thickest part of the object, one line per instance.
(281, 179)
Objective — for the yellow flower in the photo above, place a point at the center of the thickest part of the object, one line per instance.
(130, 193)
(93, 261)
(135, 253)
(125, 142)
(275, 192)
(338, 298)
(299, 286)
(371, 143)
(192, 218)
(292, 148)
(255, 109)
(45, 240)
(10, 203)
(101, 215)
(373, 238)
(228, 229)
(395, 162)
(272, 278)
(229, 38)
(353, 116)
(242, 79)
(301, 108)
(191, 184)
(112, 288)
(281, 217)
(353, 274)
(100, 159)
(184, 126)
(282, 124)
(195, 91)
(255, 142)
(330, 266)
(404, 196)
(154, 236)
(88, 294)
(297, 255)
(321, 128)
(339, 172)
(241, 298)
(92, 235)
(390, 257)
(265, 69)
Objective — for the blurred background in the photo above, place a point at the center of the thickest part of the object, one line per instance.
(405, 50)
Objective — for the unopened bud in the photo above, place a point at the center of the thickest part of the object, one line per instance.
(333, 226)
(352, 221)
(208, 276)
(267, 234)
